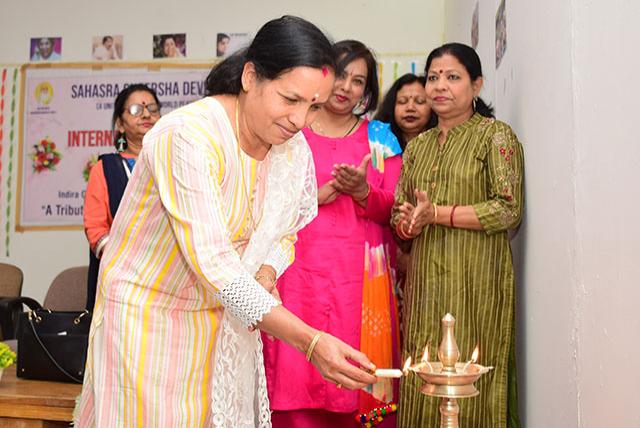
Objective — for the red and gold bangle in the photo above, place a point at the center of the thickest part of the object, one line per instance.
(376, 416)
(401, 233)
(453, 210)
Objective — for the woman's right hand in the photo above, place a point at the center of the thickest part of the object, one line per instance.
(332, 357)
(327, 193)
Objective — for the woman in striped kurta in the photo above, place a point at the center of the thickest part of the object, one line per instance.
(183, 246)
(135, 110)
(459, 193)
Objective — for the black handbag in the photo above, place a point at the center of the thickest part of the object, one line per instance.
(52, 345)
(10, 310)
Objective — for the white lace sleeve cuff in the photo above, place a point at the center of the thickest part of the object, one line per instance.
(247, 300)
(278, 259)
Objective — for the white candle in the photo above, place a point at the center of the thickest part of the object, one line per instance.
(388, 373)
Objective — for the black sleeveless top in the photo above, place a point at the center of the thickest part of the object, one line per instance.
(115, 175)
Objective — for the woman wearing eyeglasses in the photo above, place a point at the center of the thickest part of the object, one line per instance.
(136, 110)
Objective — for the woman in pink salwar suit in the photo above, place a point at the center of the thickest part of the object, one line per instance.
(341, 280)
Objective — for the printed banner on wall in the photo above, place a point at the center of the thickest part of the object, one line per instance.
(66, 125)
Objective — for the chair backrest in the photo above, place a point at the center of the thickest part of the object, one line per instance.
(68, 291)
(11, 278)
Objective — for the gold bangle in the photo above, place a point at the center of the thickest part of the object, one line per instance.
(435, 216)
(269, 277)
(313, 344)
(366, 194)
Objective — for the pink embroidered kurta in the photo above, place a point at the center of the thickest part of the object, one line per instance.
(324, 286)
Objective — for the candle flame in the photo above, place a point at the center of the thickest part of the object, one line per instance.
(474, 356)
(425, 354)
(406, 366)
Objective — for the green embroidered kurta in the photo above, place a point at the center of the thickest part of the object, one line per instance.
(466, 273)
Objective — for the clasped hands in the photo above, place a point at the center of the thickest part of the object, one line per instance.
(348, 179)
(412, 219)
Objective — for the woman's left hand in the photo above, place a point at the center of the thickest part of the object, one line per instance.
(414, 219)
(422, 215)
(327, 193)
(351, 179)
(266, 276)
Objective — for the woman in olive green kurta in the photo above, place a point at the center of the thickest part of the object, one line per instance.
(465, 269)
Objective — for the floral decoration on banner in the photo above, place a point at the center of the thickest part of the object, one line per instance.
(93, 159)
(45, 156)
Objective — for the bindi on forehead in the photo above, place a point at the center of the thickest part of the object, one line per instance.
(442, 71)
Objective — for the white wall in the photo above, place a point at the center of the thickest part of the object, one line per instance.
(568, 85)
(407, 26)
(410, 27)
(607, 167)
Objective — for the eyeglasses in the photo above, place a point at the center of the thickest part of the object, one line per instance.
(138, 109)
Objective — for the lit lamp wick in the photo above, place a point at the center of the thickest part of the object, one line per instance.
(407, 366)
(425, 357)
(474, 358)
